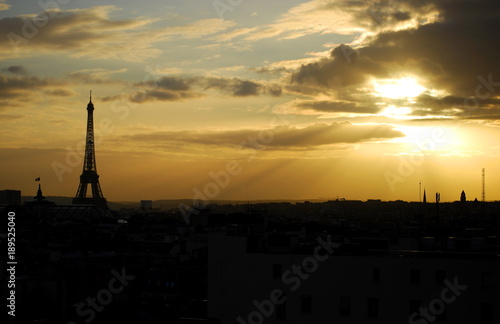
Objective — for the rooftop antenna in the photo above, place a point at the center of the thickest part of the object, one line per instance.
(420, 191)
(438, 199)
(420, 198)
(483, 193)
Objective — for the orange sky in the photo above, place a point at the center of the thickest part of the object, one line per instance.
(286, 100)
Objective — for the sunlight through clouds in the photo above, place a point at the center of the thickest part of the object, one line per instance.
(404, 88)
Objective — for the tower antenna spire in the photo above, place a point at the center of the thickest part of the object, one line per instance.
(483, 191)
(90, 95)
(420, 191)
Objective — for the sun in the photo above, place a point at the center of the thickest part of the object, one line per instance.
(404, 88)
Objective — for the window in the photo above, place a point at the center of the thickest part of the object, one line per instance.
(415, 277)
(441, 317)
(372, 310)
(281, 311)
(306, 304)
(276, 271)
(345, 306)
(486, 279)
(376, 275)
(415, 305)
(486, 313)
(440, 276)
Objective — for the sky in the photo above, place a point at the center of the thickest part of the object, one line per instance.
(247, 100)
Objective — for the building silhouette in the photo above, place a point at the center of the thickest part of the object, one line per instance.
(39, 200)
(10, 197)
(308, 280)
(89, 176)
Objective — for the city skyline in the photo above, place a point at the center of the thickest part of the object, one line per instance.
(237, 100)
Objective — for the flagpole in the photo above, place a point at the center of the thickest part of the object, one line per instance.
(420, 191)
(420, 199)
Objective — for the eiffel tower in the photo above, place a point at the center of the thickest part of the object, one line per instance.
(89, 175)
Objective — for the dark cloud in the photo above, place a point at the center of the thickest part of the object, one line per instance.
(171, 83)
(270, 70)
(239, 88)
(457, 107)
(455, 53)
(178, 89)
(45, 28)
(428, 101)
(10, 85)
(166, 83)
(461, 52)
(278, 138)
(337, 106)
(163, 95)
(163, 89)
(374, 15)
(16, 69)
(273, 90)
(450, 53)
(60, 93)
(82, 32)
(246, 88)
(20, 87)
(401, 16)
(387, 14)
(92, 32)
(451, 10)
(118, 97)
(344, 68)
(20, 90)
(94, 76)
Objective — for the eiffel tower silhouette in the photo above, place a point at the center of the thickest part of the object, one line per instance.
(89, 176)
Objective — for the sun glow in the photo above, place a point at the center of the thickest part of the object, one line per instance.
(428, 140)
(397, 112)
(403, 88)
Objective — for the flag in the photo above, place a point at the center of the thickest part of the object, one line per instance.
(37, 179)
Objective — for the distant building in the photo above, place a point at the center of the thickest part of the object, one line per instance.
(10, 197)
(463, 198)
(45, 210)
(39, 200)
(146, 205)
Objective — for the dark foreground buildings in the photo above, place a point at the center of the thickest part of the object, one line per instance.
(332, 262)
